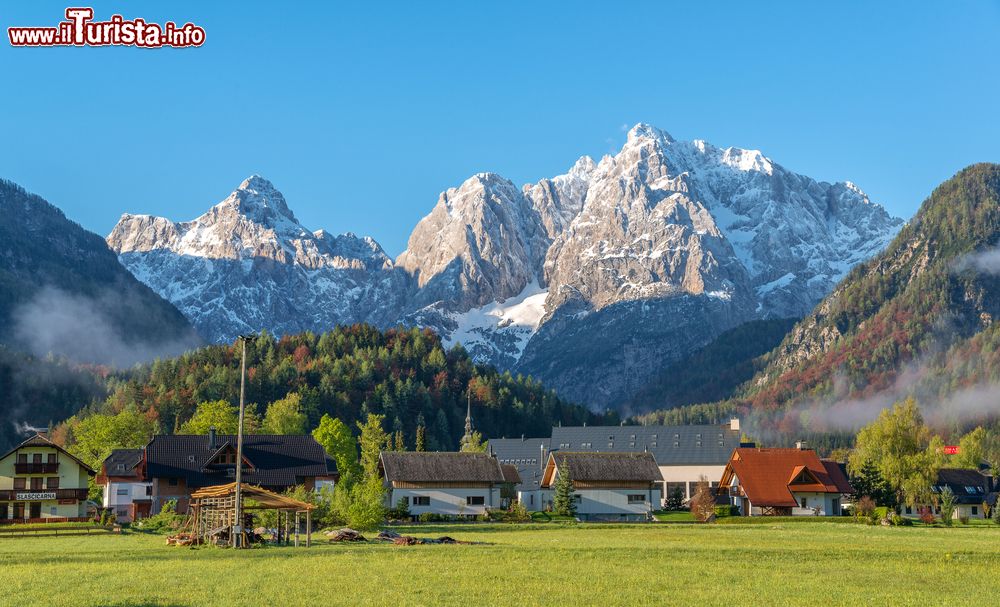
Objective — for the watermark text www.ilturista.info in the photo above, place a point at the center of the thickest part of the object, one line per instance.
(80, 29)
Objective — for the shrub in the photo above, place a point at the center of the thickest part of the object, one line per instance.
(517, 513)
(703, 502)
(964, 519)
(721, 511)
(864, 507)
(107, 518)
(996, 512)
(926, 515)
(165, 521)
(434, 517)
(401, 512)
(899, 521)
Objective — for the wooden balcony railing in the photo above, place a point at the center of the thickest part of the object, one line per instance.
(31, 468)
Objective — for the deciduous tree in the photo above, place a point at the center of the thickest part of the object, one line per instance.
(222, 415)
(900, 446)
(285, 416)
(337, 440)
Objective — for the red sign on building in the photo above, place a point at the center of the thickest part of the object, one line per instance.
(951, 449)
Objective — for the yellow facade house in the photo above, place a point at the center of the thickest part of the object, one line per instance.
(42, 482)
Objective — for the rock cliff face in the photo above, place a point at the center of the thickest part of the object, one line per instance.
(592, 280)
(483, 242)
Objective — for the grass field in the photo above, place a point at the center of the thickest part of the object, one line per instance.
(760, 564)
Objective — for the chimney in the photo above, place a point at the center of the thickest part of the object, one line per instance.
(211, 437)
(801, 445)
(734, 424)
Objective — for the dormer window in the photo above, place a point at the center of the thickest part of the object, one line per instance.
(225, 456)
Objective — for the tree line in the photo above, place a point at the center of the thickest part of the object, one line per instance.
(419, 388)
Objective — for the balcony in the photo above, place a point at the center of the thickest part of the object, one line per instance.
(61, 494)
(45, 468)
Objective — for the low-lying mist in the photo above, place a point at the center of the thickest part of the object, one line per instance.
(86, 329)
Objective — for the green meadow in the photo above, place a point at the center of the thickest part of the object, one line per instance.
(783, 563)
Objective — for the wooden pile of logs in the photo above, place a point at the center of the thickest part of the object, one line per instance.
(182, 539)
(346, 535)
(406, 540)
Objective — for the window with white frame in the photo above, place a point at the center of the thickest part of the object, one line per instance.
(475, 500)
(421, 500)
(636, 498)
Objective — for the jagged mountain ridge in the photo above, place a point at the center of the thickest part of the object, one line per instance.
(248, 264)
(631, 261)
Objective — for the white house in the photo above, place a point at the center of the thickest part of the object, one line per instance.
(448, 483)
(785, 482)
(126, 493)
(606, 486)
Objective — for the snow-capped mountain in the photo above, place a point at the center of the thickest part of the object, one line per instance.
(592, 280)
(248, 264)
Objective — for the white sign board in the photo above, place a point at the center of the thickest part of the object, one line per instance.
(33, 496)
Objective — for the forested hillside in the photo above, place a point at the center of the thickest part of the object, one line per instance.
(35, 392)
(404, 374)
(714, 371)
(918, 319)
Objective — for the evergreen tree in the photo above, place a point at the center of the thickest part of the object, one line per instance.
(420, 439)
(947, 504)
(563, 503)
(868, 481)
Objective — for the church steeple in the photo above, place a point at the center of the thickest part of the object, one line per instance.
(468, 419)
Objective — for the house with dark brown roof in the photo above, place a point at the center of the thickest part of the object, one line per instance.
(175, 465)
(784, 482)
(606, 485)
(971, 489)
(448, 483)
(127, 492)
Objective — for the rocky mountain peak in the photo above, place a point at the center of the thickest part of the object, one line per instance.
(257, 199)
(647, 132)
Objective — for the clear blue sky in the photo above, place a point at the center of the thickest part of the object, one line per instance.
(361, 116)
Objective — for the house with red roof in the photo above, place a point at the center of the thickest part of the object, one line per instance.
(784, 482)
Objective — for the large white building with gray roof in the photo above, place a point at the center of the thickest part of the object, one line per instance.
(684, 454)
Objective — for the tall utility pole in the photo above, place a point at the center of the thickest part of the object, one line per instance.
(237, 532)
